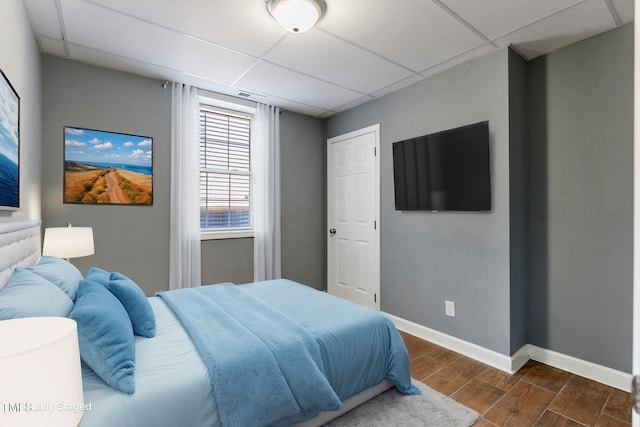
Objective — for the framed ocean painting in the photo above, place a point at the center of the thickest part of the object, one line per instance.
(9, 145)
(107, 168)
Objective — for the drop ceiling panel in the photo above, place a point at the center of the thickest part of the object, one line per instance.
(473, 53)
(286, 104)
(269, 79)
(569, 26)
(107, 60)
(416, 34)
(353, 104)
(137, 40)
(44, 15)
(328, 58)
(52, 46)
(624, 8)
(499, 17)
(414, 78)
(243, 25)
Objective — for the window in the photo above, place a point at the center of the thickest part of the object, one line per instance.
(225, 171)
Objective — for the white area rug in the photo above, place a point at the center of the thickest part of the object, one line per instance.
(391, 408)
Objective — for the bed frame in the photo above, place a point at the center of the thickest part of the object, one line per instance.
(348, 404)
(20, 246)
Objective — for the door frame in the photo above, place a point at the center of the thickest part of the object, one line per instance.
(636, 208)
(375, 129)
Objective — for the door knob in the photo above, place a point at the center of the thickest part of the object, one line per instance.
(332, 231)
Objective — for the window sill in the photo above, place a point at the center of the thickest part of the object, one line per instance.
(230, 234)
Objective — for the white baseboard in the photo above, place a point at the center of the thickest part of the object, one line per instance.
(474, 351)
(599, 373)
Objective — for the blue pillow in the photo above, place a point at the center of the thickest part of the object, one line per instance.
(27, 294)
(61, 273)
(136, 304)
(98, 275)
(105, 336)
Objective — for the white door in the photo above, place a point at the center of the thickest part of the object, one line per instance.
(353, 206)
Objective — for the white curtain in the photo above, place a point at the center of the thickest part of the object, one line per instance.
(184, 240)
(266, 208)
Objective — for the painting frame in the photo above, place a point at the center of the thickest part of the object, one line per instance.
(107, 168)
(9, 145)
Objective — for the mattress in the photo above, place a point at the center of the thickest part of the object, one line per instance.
(172, 384)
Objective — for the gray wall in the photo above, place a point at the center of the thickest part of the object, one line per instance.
(303, 206)
(20, 62)
(581, 199)
(518, 200)
(552, 264)
(227, 260)
(427, 258)
(135, 239)
(130, 239)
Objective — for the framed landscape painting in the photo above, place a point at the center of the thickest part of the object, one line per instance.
(107, 167)
(9, 145)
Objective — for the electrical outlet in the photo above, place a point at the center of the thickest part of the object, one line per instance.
(450, 308)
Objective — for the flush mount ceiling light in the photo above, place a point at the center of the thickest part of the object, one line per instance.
(296, 16)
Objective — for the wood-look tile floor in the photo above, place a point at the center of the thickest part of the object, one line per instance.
(537, 395)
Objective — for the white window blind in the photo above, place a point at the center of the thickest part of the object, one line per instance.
(225, 171)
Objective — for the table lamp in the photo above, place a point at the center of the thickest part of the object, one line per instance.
(68, 242)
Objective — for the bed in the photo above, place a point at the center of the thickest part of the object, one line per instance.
(357, 352)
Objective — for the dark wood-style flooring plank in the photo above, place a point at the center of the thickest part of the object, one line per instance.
(521, 406)
(581, 399)
(547, 377)
(456, 374)
(607, 421)
(422, 367)
(484, 423)
(619, 406)
(417, 347)
(504, 380)
(551, 419)
(537, 394)
(478, 395)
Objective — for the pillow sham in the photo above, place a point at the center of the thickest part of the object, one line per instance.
(61, 273)
(27, 294)
(105, 335)
(135, 302)
(98, 275)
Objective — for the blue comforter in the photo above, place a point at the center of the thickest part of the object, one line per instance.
(360, 347)
(265, 369)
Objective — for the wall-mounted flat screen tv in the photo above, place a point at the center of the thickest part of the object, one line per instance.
(444, 171)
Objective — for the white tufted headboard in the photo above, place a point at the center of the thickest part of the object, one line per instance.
(19, 246)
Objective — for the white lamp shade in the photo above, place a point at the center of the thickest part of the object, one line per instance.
(40, 373)
(296, 16)
(68, 242)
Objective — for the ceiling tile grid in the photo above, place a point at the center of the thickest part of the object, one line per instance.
(571, 25)
(325, 57)
(359, 50)
(513, 14)
(415, 33)
(44, 19)
(241, 25)
(267, 78)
